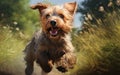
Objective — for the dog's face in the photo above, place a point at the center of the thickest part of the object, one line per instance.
(56, 20)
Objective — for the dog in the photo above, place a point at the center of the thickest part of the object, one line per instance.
(52, 44)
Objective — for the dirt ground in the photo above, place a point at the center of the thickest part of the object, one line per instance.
(17, 67)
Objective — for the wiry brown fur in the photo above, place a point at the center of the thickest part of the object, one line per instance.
(48, 50)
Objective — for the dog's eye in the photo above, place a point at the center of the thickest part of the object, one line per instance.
(48, 15)
(61, 15)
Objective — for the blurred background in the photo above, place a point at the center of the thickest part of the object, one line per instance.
(96, 36)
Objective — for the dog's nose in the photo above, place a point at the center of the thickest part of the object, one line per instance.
(53, 23)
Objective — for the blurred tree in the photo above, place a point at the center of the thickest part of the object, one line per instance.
(97, 9)
(11, 10)
(16, 13)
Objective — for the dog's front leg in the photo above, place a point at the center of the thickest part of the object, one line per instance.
(66, 62)
(45, 62)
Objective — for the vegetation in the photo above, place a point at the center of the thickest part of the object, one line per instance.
(97, 43)
(17, 24)
(98, 49)
(97, 9)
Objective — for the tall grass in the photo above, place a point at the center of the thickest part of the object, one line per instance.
(11, 55)
(99, 50)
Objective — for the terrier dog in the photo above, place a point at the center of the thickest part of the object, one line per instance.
(52, 45)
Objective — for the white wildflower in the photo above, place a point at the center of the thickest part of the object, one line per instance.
(101, 8)
(17, 29)
(15, 23)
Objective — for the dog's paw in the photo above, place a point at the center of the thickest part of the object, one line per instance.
(59, 54)
(62, 69)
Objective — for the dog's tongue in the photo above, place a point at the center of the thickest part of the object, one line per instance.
(53, 32)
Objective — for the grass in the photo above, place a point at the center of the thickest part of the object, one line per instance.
(98, 51)
(11, 47)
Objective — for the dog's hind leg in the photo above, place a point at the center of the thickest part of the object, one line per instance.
(29, 68)
(29, 64)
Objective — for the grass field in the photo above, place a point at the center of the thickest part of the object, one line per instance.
(96, 51)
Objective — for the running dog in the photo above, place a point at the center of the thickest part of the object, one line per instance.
(52, 44)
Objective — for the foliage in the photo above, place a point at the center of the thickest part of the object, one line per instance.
(9, 11)
(97, 9)
(17, 14)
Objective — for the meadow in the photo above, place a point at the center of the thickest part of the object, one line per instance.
(97, 49)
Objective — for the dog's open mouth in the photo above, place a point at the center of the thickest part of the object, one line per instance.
(53, 31)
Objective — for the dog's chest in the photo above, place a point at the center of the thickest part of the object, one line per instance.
(53, 50)
(54, 47)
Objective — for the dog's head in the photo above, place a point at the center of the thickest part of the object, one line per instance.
(56, 20)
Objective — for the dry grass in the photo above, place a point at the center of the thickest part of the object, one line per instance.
(96, 49)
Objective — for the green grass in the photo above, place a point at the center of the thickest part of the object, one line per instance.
(11, 47)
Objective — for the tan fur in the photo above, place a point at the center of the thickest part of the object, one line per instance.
(46, 49)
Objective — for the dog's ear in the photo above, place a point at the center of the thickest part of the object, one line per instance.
(39, 6)
(71, 7)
